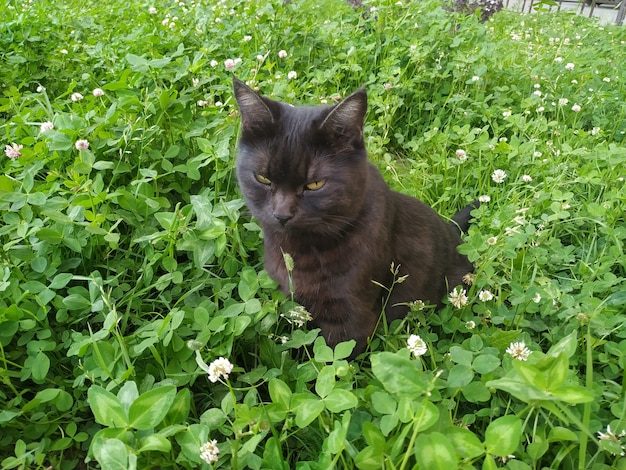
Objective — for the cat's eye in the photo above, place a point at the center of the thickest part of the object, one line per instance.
(262, 179)
(315, 185)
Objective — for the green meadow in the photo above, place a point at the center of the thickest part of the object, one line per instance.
(138, 329)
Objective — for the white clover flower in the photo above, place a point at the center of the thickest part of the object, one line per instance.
(519, 351)
(247, 38)
(458, 297)
(76, 97)
(461, 155)
(229, 63)
(475, 78)
(610, 435)
(470, 325)
(292, 75)
(537, 93)
(219, 368)
(214, 63)
(219, 104)
(46, 126)
(209, 452)
(527, 178)
(82, 144)
(194, 344)
(484, 199)
(64, 51)
(519, 220)
(202, 103)
(416, 345)
(13, 150)
(417, 305)
(606, 79)
(485, 295)
(537, 154)
(195, 82)
(576, 108)
(282, 54)
(558, 60)
(498, 176)
(469, 279)
(492, 241)
(506, 114)
(41, 88)
(595, 131)
(569, 66)
(540, 109)
(563, 101)
(537, 298)
(298, 316)
(152, 10)
(98, 92)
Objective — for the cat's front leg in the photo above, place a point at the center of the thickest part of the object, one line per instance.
(346, 325)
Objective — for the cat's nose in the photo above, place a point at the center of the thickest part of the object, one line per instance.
(283, 219)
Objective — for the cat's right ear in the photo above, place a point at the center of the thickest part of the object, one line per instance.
(255, 113)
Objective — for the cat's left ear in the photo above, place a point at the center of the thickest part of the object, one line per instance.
(346, 118)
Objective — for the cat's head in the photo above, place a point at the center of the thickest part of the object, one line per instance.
(302, 168)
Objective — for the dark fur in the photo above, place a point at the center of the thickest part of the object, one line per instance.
(346, 234)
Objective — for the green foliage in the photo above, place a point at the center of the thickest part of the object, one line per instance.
(137, 326)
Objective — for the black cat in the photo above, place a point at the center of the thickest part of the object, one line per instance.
(305, 176)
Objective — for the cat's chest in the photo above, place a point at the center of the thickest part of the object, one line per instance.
(314, 268)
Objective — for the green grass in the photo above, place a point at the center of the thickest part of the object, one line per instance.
(128, 267)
